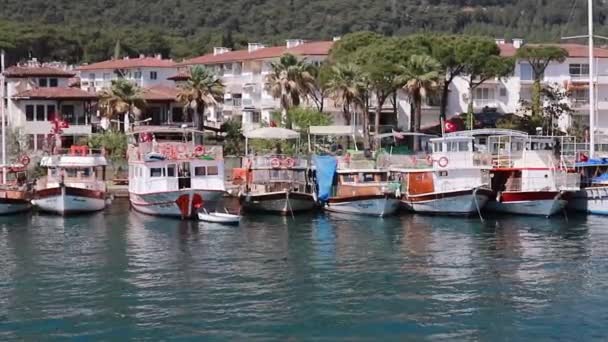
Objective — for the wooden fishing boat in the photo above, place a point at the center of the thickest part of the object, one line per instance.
(276, 183)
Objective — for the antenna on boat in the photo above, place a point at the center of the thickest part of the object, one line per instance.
(592, 104)
(2, 116)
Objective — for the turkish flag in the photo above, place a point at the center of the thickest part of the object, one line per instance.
(450, 127)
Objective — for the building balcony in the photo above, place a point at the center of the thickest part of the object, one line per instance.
(580, 103)
(482, 103)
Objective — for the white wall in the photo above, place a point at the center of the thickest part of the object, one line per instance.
(102, 77)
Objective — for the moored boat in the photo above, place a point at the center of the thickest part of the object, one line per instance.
(74, 182)
(16, 193)
(218, 217)
(592, 198)
(452, 180)
(527, 176)
(276, 183)
(170, 175)
(355, 191)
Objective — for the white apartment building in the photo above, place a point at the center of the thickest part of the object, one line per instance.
(244, 74)
(143, 71)
(152, 74)
(36, 94)
(505, 95)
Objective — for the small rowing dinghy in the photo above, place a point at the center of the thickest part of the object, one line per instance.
(223, 218)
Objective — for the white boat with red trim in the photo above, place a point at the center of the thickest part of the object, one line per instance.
(170, 175)
(74, 183)
(528, 177)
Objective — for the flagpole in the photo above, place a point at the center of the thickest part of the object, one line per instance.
(2, 116)
(591, 84)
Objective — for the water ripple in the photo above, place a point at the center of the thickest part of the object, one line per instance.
(119, 275)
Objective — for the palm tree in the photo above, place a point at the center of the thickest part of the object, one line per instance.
(203, 89)
(346, 88)
(291, 79)
(419, 75)
(122, 97)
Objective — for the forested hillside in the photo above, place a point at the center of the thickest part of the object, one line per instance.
(87, 30)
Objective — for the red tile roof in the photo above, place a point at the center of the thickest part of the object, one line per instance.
(56, 93)
(306, 49)
(313, 48)
(144, 62)
(42, 71)
(160, 93)
(574, 50)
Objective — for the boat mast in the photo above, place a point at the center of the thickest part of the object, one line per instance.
(591, 84)
(2, 117)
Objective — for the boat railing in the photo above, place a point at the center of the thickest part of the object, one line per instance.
(567, 181)
(403, 161)
(80, 151)
(266, 176)
(275, 161)
(174, 151)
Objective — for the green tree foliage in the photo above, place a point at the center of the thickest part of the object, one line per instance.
(290, 81)
(122, 97)
(378, 62)
(303, 118)
(88, 29)
(234, 142)
(320, 91)
(202, 90)
(539, 58)
(346, 87)
(555, 106)
(482, 64)
(114, 143)
(419, 75)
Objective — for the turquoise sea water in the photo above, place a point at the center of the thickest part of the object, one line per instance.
(119, 275)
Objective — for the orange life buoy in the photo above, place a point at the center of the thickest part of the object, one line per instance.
(429, 160)
(347, 158)
(199, 150)
(289, 162)
(275, 163)
(443, 162)
(25, 160)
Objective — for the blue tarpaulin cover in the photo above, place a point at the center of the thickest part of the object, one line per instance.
(603, 178)
(326, 169)
(593, 162)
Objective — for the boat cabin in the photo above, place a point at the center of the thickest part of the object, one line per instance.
(85, 170)
(162, 161)
(362, 182)
(456, 152)
(277, 173)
